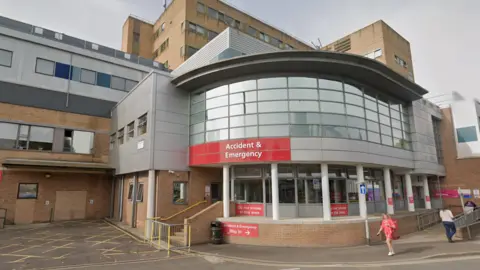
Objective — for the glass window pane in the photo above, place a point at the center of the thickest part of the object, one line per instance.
(102, 79)
(373, 126)
(272, 83)
(355, 110)
(75, 73)
(217, 124)
(384, 120)
(352, 89)
(397, 133)
(118, 83)
(82, 142)
(331, 95)
(8, 135)
(400, 143)
(372, 105)
(88, 76)
(273, 118)
(371, 115)
(396, 124)
(237, 98)
(251, 96)
(277, 94)
(395, 114)
(219, 91)
(197, 97)
(335, 132)
(273, 106)
(45, 67)
(243, 86)
(243, 132)
(197, 118)
(217, 102)
(6, 58)
(197, 128)
(303, 94)
(197, 107)
(41, 138)
(383, 109)
(302, 82)
(329, 84)
(305, 118)
(245, 108)
(332, 107)
(129, 84)
(274, 131)
(303, 106)
(467, 134)
(333, 119)
(305, 131)
(395, 107)
(243, 120)
(387, 140)
(356, 122)
(217, 113)
(197, 139)
(62, 71)
(357, 134)
(216, 135)
(374, 137)
(354, 99)
(386, 130)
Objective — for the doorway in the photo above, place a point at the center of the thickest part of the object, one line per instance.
(216, 191)
(70, 205)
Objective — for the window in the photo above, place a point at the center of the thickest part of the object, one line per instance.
(130, 191)
(180, 193)
(131, 130)
(140, 192)
(129, 84)
(467, 134)
(200, 7)
(75, 73)
(8, 135)
(265, 37)
(103, 79)
(113, 138)
(6, 58)
(41, 138)
(438, 139)
(191, 51)
(62, 70)
(87, 76)
(142, 125)
(136, 37)
(80, 142)
(400, 61)
(45, 67)
(27, 191)
(164, 45)
(118, 83)
(212, 13)
(162, 27)
(211, 35)
(252, 31)
(25, 138)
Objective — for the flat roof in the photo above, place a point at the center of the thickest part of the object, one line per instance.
(362, 69)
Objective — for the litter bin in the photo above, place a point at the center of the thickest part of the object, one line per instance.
(217, 236)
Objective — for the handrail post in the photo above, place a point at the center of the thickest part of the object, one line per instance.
(189, 237)
(168, 242)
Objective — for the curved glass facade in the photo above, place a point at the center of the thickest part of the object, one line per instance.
(297, 107)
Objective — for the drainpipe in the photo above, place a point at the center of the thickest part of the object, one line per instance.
(120, 198)
(112, 197)
(134, 201)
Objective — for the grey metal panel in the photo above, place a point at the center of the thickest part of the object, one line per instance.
(167, 160)
(345, 145)
(101, 49)
(16, 25)
(176, 129)
(74, 41)
(58, 139)
(53, 100)
(307, 155)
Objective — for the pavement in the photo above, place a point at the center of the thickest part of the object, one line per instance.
(101, 245)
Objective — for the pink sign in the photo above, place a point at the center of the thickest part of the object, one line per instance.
(339, 210)
(427, 198)
(410, 200)
(447, 193)
(390, 201)
(249, 209)
(240, 229)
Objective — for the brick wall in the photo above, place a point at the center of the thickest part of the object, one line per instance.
(98, 187)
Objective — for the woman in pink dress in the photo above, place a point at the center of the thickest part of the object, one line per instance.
(388, 227)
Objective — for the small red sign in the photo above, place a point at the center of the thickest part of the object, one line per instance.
(447, 193)
(427, 198)
(240, 229)
(410, 200)
(1, 174)
(339, 210)
(249, 209)
(390, 201)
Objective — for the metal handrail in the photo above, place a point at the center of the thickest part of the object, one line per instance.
(180, 212)
(429, 219)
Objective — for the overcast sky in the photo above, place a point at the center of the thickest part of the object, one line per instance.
(444, 34)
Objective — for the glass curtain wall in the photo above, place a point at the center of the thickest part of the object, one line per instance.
(298, 107)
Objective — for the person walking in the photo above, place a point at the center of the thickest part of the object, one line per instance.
(447, 220)
(388, 226)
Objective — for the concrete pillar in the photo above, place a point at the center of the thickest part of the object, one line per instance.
(410, 199)
(226, 191)
(150, 200)
(275, 193)
(388, 190)
(327, 214)
(245, 191)
(362, 200)
(336, 191)
(426, 193)
(232, 188)
(305, 188)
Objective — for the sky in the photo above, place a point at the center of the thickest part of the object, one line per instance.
(444, 35)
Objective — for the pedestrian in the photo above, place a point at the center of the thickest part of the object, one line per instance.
(447, 220)
(388, 226)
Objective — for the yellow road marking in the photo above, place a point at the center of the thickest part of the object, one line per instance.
(98, 235)
(104, 250)
(108, 240)
(125, 233)
(59, 247)
(62, 257)
(29, 247)
(11, 245)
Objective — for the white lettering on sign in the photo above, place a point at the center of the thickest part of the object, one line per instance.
(243, 146)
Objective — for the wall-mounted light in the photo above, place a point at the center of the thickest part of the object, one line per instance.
(47, 175)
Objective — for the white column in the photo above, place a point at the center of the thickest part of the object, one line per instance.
(410, 199)
(150, 200)
(245, 191)
(426, 193)
(275, 195)
(336, 191)
(362, 200)
(307, 193)
(388, 190)
(232, 188)
(226, 191)
(327, 214)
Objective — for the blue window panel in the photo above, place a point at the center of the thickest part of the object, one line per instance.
(75, 73)
(467, 134)
(62, 70)
(103, 79)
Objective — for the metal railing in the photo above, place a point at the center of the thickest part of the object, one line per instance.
(427, 220)
(467, 219)
(3, 217)
(180, 212)
(169, 237)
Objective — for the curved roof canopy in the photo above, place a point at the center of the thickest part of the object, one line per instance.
(364, 70)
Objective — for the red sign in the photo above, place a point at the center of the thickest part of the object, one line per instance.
(1, 174)
(240, 229)
(249, 209)
(410, 200)
(447, 193)
(237, 151)
(390, 201)
(339, 210)
(427, 198)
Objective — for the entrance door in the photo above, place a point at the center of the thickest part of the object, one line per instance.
(70, 205)
(24, 209)
(216, 190)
